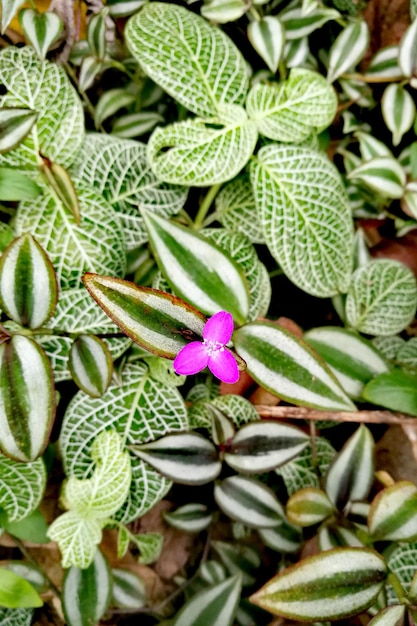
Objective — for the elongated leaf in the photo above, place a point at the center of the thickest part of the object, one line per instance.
(351, 474)
(16, 186)
(382, 298)
(241, 559)
(186, 458)
(384, 175)
(110, 102)
(290, 111)
(287, 367)
(223, 11)
(395, 390)
(21, 487)
(332, 585)
(15, 125)
(370, 147)
(91, 364)
(28, 289)
(16, 592)
(190, 518)
(217, 604)
(407, 50)
(61, 183)
(335, 536)
(45, 88)
(384, 63)
(86, 592)
(267, 36)
(348, 49)
(128, 589)
(201, 152)
(284, 538)
(27, 399)
(390, 616)
(209, 69)
(308, 507)
(197, 270)
(393, 513)
(8, 10)
(236, 209)
(135, 124)
(298, 24)
(41, 29)
(30, 572)
(260, 447)
(297, 190)
(399, 111)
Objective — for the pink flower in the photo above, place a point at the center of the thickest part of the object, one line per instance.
(211, 352)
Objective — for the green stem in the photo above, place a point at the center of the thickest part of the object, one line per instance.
(254, 14)
(33, 5)
(187, 219)
(205, 206)
(277, 272)
(30, 558)
(88, 104)
(395, 583)
(119, 66)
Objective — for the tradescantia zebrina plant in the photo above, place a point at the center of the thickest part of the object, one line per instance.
(139, 268)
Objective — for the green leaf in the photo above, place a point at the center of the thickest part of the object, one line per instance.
(128, 590)
(15, 125)
(351, 473)
(308, 506)
(28, 289)
(291, 110)
(209, 69)
(32, 527)
(216, 605)
(190, 518)
(86, 592)
(267, 36)
(398, 110)
(21, 487)
(165, 332)
(382, 298)
(299, 190)
(8, 11)
(332, 585)
(150, 547)
(384, 175)
(239, 559)
(395, 390)
(41, 29)
(393, 513)
(201, 152)
(306, 470)
(197, 270)
(348, 49)
(91, 364)
(30, 572)
(16, 617)
(95, 245)
(185, 458)
(27, 399)
(236, 209)
(118, 169)
(16, 186)
(16, 592)
(45, 88)
(288, 367)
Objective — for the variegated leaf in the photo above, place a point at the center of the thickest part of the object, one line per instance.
(91, 364)
(236, 209)
(16, 617)
(15, 125)
(77, 536)
(220, 600)
(190, 518)
(309, 506)
(407, 50)
(8, 11)
(134, 125)
(267, 36)
(201, 152)
(239, 410)
(390, 616)
(348, 49)
(298, 24)
(406, 355)
(306, 471)
(398, 110)
(401, 560)
(298, 190)
(21, 487)
(384, 175)
(45, 88)
(128, 590)
(393, 513)
(389, 346)
(384, 64)
(284, 538)
(223, 11)
(86, 593)
(208, 69)
(241, 559)
(41, 29)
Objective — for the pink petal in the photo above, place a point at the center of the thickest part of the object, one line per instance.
(191, 359)
(223, 364)
(219, 327)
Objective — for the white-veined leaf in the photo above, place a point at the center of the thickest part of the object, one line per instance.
(401, 560)
(298, 190)
(267, 36)
(208, 69)
(236, 209)
(348, 49)
(45, 88)
(389, 346)
(306, 470)
(77, 536)
(291, 110)
(201, 152)
(393, 513)
(398, 110)
(21, 487)
(382, 298)
(16, 617)
(86, 592)
(298, 25)
(407, 50)
(218, 602)
(41, 29)
(384, 175)
(406, 355)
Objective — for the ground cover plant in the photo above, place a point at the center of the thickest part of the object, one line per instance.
(175, 178)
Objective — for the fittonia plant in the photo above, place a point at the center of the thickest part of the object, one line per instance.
(214, 163)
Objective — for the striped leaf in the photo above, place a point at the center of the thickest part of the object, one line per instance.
(384, 175)
(216, 605)
(308, 507)
(96, 33)
(291, 110)
(28, 287)
(128, 589)
(407, 50)
(288, 367)
(135, 124)
(8, 11)
(298, 189)
(27, 399)
(249, 501)
(238, 558)
(382, 298)
(284, 538)
(209, 69)
(223, 11)
(15, 125)
(384, 64)
(260, 447)
(21, 487)
(267, 36)
(165, 332)
(89, 70)
(190, 518)
(41, 29)
(335, 536)
(393, 513)
(91, 365)
(390, 616)
(395, 390)
(348, 49)
(351, 473)
(197, 270)
(298, 24)
(122, 8)
(16, 592)
(398, 110)
(333, 585)
(30, 572)
(186, 458)
(110, 102)
(201, 152)
(222, 428)
(61, 183)
(370, 147)
(352, 359)
(86, 592)
(16, 186)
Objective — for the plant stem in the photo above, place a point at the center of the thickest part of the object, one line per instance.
(395, 583)
(86, 99)
(30, 558)
(205, 206)
(277, 272)
(304, 413)
(254, 14)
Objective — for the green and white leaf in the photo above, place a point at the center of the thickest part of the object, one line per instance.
(288, 367)
(15, 126)
(223, 11)
(398, 110)
(267, 36)
(77, 536)
(91, 364)
(150, 547)
(305, 471)
(201, 152)
(384, 64)
(41, 29)
(390, 616)
(334, 536)
(239, 559)
(401, 560)
(8, 11)
(237, 408)
(236, 209)
(95, 245)
(45, 88)
(119, 170)
(16, 617)
(110, 102)
(190, 518)
(370, 147)
(389, 346)
(393, 513)
(128, 590)
(298, 24)
(21, 487)
(196, 63)
(348, 49)
(291, 110)
(407, 50)
(384, 175)
(299, 190)
(382, 298)
(284, 538)
(308, 506)
(86, 592)
(407, 354)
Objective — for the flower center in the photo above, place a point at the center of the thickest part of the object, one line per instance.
(213, 347)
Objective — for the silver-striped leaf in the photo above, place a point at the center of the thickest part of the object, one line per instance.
(134, 125)
(128, 589)
(28, 287)
(384, 64)
(249, 501)
(390, 616)
(267, 36)
(238, 558)
(190, 518)
(96, 33)
(41, 29)
(15, 125)
(110, 102)
(288, 367)
(334, 536)
(208, 71)
(27, 399)
(263, 446)
(384, 175)
(197, 270)
(393, 513)
(332, 585)
(298, 24)
(185, 458)
(348, 49)
(223, 11)
(308, 506)
(298, 190)
(91, 365)
(8, 11)
(398, 110)
(284, 538)
(60, 182)
(407, 50)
